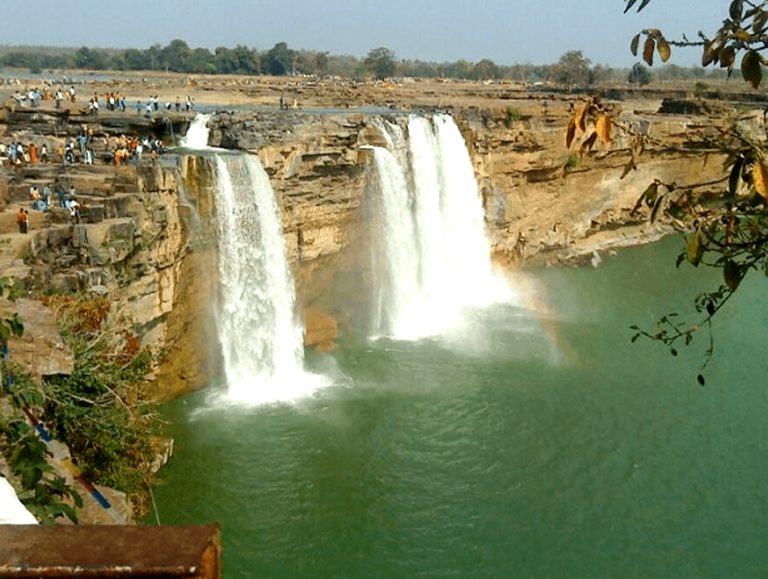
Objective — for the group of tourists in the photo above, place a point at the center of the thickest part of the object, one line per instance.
(153, 105)
(112, 100)
(34, 96)
(16, 154)
(43, 201)
(124, 149)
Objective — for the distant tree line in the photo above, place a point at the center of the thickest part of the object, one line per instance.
(177, 56)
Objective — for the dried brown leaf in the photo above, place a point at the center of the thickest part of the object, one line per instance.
(581, 117)
(760, 178)
(603, 128)
(662, 46)
(648, 49)
(570, 133)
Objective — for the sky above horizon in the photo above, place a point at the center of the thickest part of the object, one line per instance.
(506, 31)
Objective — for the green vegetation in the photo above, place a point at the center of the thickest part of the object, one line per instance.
(640, 75)
(44, 493)
(101, 410)
(281, 60)
(512, 115)
(725, 222)
(380, 62)
(572, 69)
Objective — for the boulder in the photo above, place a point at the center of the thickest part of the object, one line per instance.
(40, 350)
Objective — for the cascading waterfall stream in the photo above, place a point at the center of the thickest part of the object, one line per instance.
(260, 337)
(197, 134)
(432, 235)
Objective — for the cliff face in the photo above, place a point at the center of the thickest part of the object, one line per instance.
(148, 237)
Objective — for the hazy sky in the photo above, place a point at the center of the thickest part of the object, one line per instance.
(506, 31)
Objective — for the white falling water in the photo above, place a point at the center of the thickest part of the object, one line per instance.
(435, 251)
(197, 134)
(395, 291)
(260, 337)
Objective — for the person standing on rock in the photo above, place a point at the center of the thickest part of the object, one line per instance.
(43, 153)
(22, 220)
(34, 195)
(61, 195)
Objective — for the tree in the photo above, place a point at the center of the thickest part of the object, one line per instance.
(485, 70)
(380, 62)
(201, 60)
(91, 59)
(175, 56)
(726, 223)
(572, 69)
(639, 75)
(279, 60)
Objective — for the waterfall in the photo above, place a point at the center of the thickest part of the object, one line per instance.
(433, 248)
(261, 340)
(197, 134)
(395, 303)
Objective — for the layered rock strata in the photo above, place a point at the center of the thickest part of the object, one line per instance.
(148, 232)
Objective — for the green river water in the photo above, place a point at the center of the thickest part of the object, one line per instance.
(525, 446)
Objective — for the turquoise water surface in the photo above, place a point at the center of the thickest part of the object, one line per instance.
(524, 445)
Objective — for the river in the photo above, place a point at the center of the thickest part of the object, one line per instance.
(525, 445)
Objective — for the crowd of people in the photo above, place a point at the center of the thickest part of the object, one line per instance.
(84, 148)
(113, 101)
(16, 154)
(116, 150)
(44, 201)
(34, 96)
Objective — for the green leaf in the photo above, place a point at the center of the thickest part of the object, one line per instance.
(733, 179)
(657, 207)
(700, 379)
(750, 68)
(727, 57)
(648, 196)
(736, 10)
(759, 21)
(694, 249)
(732, 274)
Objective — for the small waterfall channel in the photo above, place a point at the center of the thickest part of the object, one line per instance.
(432, 257)
(260, 336)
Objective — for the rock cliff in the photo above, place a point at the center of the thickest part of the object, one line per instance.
(147, 235)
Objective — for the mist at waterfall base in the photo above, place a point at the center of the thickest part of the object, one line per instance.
(608, 461)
